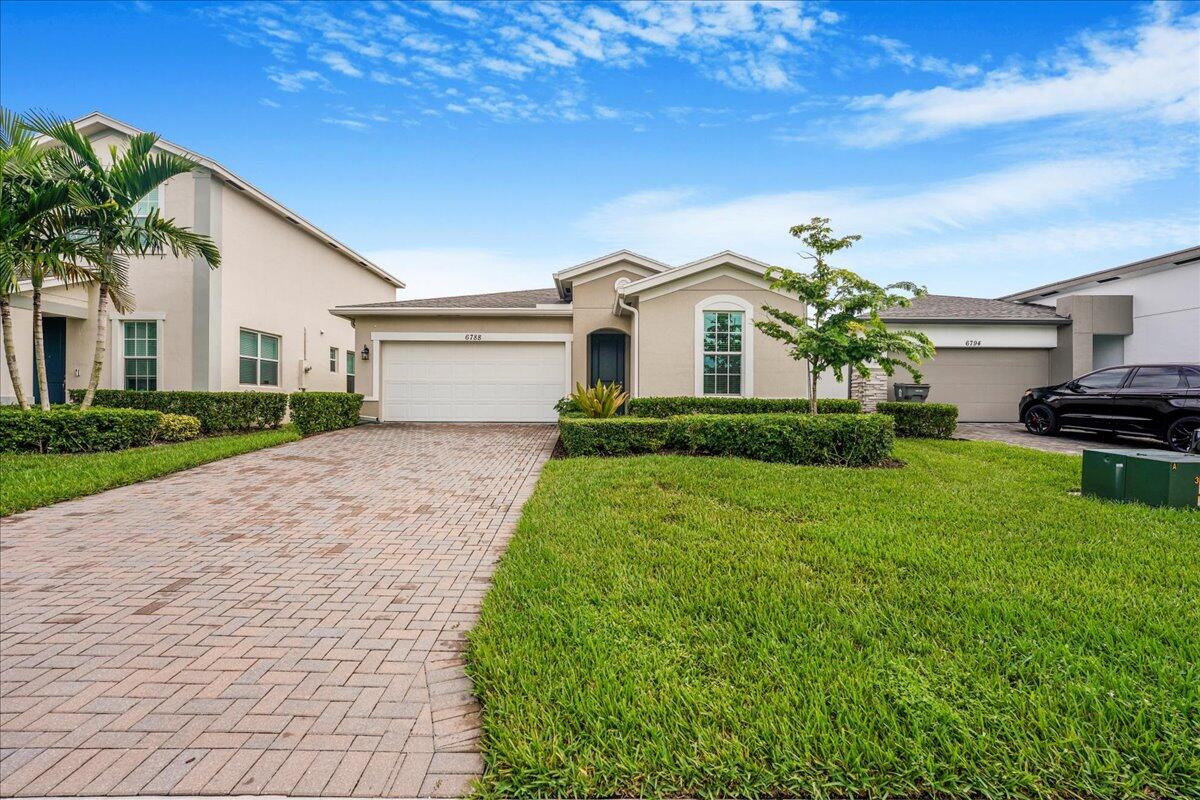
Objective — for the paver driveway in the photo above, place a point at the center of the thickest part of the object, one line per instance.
(289, 621)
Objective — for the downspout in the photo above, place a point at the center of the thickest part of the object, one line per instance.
(633, 345)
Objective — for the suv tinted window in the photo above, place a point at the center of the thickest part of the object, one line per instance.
(1193, 377)
(1104, 379)
(1157, 378)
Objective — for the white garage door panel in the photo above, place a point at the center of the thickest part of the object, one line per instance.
(472, 381)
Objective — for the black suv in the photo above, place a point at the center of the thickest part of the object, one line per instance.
(1158, 400)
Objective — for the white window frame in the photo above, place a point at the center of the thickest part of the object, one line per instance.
(726, 302)
(278, 361)
(335, 355)
(159, 190)
(116, 340)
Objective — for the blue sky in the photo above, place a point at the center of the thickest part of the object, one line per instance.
(979, 148)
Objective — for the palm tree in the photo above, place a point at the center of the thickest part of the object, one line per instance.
(107, 193)
(36, 240)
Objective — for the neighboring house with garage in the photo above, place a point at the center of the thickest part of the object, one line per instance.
(509, 356)
(990, 351)
(259, 322)
(688, 330)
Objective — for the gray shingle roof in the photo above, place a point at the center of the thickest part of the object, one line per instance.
(524, 298)
(947, 307)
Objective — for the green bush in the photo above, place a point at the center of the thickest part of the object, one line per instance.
(177, 428)
(853, 440)
(672, 406)
(313, 412)
(850, 440)
(567, 405)
(218, 412)
(612, 436)
(69, 430)
(922, 420)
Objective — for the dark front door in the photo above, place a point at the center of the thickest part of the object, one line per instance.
(606, 358)
(54, 342)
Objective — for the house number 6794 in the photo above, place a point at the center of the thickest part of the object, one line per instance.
(474, 337)
(974, 343)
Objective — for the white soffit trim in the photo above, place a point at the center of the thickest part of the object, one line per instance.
(88, 123)
(726, 258)
(350, 312)
(565, 277)
(750, 279)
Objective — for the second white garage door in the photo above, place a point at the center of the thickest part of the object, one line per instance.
(472, 381)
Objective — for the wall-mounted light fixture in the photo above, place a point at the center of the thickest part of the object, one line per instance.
(366, 353)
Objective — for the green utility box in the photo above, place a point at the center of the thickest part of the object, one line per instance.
(1153, 477)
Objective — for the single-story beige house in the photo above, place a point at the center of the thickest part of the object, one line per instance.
(509, 356)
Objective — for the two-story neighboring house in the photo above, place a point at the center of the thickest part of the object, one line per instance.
(260, 321)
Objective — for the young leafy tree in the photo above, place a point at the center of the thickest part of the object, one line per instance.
(842, 327)
(107, 193)
(37, 240)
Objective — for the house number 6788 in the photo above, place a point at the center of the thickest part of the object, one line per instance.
(474, 337)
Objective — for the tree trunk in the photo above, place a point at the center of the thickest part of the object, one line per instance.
(39, 350)
(10, 354)
(812, 389)
(101, 346)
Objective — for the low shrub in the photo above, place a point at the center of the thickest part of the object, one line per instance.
(567, 405)
(849, 440)
(314, 412)
(69, 430)
(177, 428)
(672, 406)
(922, 420)
(853, 440)
(612, 436)
(218, 412)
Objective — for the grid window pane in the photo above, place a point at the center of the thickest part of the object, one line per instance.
(141, 355)
(268, 347)
(249, 344)
(722, 362)
(247, 370)
(268, 373)
(333, 359)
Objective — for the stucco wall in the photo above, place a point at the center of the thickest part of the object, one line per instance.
(69, 301)
(1166, 313)
(667, 341)
(592, 302)
(277, 279)
(366, 327)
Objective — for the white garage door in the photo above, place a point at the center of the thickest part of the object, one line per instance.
(472, 381)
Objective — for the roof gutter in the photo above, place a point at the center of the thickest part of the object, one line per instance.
(972, 321)
(635, 340)
(349, 312)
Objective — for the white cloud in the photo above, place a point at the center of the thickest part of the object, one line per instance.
(298, 80)
(900, 53)
(448, 271)
(1154, 71)
(455, 10)
(505, 67)
(268, 102)
(680, 224)
(337, 62)
(352, 124)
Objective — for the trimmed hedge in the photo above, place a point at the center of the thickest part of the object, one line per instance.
(849, 440)
(853, 440)
(673, 406)
(612, 436)
(69, 430)
(218, 412)
(177, 428)
(922, 420)
(314, 412)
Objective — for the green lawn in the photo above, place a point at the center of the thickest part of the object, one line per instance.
(962, 626)
(32, 480)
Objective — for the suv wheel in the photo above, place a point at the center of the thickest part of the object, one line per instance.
(1041, 420)
(1179, 435)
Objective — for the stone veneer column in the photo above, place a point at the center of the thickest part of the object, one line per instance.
(870, 391)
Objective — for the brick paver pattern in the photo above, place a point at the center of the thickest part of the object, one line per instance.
(287, 622)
